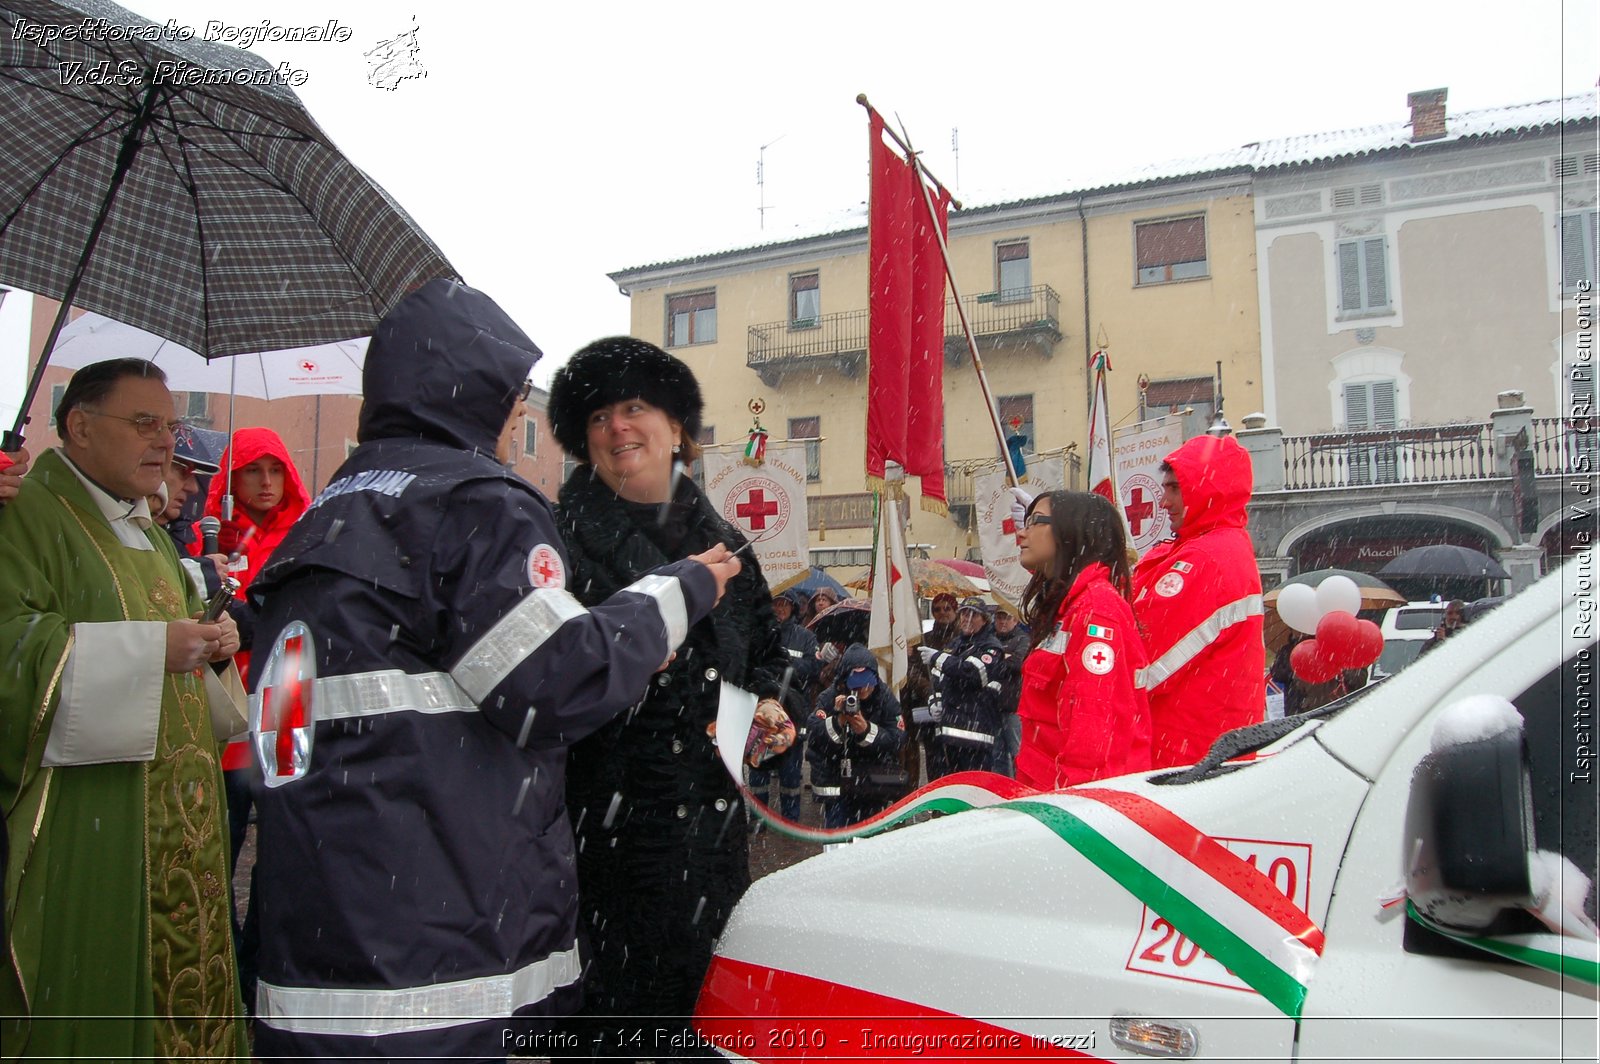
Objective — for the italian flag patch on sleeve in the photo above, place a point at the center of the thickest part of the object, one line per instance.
(1098, 632)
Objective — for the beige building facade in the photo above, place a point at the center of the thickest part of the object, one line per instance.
(1160, 269)
(1428, 267)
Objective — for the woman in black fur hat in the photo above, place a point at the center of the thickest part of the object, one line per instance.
(660, 826)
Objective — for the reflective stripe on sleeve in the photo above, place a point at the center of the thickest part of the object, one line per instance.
(965, 735)
(983, 673)
(1207, 632)
(513, 638)
(371, 694)
(668, 595)
(368, 1013)
(826, 792)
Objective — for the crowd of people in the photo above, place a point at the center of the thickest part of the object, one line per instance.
(483, 760)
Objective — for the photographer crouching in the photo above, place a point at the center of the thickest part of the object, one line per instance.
(853, 743)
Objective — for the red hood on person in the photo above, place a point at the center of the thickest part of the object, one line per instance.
(247, 446)
(1215, 478)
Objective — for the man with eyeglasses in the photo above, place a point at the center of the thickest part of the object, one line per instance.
(120, 944)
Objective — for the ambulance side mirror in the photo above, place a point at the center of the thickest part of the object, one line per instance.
(1469, 830)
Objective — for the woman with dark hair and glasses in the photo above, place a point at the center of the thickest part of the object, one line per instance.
(1084, 715)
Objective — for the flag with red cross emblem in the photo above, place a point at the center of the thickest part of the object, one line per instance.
(767, 503)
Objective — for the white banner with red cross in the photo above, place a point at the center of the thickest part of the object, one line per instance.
(1137, 453)
(766, 502)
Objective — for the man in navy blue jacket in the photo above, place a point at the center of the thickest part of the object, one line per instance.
(853, 741)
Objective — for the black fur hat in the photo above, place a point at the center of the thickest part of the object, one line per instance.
(611, 370)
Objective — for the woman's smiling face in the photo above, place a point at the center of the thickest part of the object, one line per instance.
(630, 446)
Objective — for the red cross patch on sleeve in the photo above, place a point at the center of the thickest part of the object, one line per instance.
(545, 568)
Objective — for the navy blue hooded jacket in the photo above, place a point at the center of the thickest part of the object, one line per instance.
(425, 859)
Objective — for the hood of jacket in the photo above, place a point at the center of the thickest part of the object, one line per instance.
(445, 364)
(247, 446)
(1213, 472)
(855, 657)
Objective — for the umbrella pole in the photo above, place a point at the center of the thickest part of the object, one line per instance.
(13, 439)
(227, 488)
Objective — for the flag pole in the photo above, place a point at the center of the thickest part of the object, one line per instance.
(904, 143)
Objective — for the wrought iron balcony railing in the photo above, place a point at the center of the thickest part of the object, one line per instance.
(1419, 455)
(842, 337)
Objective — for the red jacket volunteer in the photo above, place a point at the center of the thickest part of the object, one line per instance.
(1198, 602)
(1083, 716)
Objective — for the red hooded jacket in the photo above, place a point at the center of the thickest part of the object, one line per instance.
(247, 446)
(1198, 601)
(1083, 716)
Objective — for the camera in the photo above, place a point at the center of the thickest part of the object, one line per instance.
(852, 704)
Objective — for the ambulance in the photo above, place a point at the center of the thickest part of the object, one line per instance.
(1402, 875)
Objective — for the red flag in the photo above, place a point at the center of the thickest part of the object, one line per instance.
(905, 345)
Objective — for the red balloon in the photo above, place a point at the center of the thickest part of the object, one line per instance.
(1369, 644)
(1310, 663)
(1339, 638)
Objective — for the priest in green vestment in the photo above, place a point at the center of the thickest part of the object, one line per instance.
(117, 923)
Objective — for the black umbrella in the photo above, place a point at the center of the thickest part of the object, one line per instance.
(181, 186)
(1444, 560)
(843, 622)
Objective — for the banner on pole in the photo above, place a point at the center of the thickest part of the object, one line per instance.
(1137, 454)
(1001, 563)
(895, 626)
(905, 331)
(766, 502)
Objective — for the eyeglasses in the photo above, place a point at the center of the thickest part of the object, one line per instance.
(1034, 520)
(148, 426)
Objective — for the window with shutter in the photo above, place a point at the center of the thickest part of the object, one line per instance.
(805, 300)
(1170, 250)
(1370, 406)
(1577, 249)
(692, 318)
(1013, 270)
(1363, 276)
(1357, 196)
(810, 430)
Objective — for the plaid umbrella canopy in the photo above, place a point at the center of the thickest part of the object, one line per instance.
(181, 187)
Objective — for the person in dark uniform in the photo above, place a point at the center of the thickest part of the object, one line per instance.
(853, 743)
(917, 693)
(801, 647)
(416, 881)
(968, 676)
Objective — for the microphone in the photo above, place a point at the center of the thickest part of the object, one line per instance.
(210, 529)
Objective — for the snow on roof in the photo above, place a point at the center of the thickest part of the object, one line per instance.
(1282, 153)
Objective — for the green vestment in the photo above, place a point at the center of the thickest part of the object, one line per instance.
(118, 926)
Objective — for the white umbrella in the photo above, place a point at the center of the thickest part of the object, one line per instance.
(326, 369)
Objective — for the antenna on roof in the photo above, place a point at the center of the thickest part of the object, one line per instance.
(761, 178)
(955, 149)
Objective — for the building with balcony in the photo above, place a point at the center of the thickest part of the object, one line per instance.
(1372, 292)
(1159, 266)
(1411, 275)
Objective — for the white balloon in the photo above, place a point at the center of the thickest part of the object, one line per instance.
(1338, 594)
(1297, 605)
